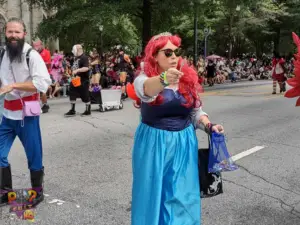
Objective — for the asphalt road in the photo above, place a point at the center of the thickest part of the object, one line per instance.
(88, 161)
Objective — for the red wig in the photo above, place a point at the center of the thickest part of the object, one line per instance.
(188, 86)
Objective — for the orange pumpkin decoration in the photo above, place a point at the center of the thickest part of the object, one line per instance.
(76, 81)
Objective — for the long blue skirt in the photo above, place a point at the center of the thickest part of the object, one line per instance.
(165, 177)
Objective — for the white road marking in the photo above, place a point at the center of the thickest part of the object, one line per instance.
(59, 202)
(53, 201)
(247, 152)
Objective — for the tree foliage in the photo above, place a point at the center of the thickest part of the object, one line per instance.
(238, 26)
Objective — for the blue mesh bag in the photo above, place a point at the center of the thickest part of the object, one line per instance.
(219, 158)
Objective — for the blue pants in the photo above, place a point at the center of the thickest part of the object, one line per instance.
(29, 135)
(165, 177)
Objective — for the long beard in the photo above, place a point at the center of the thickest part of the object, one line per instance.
(15, 51)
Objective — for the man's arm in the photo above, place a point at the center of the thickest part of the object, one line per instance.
(28, 86)
(40, 77)
(84, 64)
(82, 70)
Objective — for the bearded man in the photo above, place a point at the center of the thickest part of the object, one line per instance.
(23, 76)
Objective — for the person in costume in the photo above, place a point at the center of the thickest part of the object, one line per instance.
(211, 72)
(165, 187)
(96, 75)
(278, 73)
(46, 55)
(294, 82)
(21, 84)
(80, 70)
(57, 72)
(57, 69)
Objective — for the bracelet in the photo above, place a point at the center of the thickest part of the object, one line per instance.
(163, 79)
(208, 127)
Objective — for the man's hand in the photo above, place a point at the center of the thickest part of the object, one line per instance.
(6, 89)
(75, 72)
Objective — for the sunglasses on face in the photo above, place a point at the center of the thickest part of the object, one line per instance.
(169, 52)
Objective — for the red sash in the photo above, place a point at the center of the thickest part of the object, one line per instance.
(16, 105)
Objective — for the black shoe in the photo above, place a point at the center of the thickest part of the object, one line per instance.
(70, 113)
(45, 108)
(37, 180)
(124, 96)
(5, 184)
(283, 87)
(273, 93)
(87, 111)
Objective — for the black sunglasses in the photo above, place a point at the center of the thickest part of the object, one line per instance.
(169, 52)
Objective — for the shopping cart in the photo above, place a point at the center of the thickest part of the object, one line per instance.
(107, 99)
(110, 99)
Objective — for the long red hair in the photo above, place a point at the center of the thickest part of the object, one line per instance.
(188, 86)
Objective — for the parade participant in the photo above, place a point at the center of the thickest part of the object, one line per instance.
(165, 152)
(278, 73)
(39, 46)
(57, 69)
(96, 75)
(295, 81)
(81, 73)
(21, 84)
(57, 72)
(211, 72)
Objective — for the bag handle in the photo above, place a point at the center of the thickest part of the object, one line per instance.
(21, 100)
(15, 81)
(208, 139)
(12, 71)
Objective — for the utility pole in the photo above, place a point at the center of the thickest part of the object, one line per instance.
(207, 32)
(195, 32)
(31, 20)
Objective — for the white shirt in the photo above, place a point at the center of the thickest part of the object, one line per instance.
(1, 105)
(37, 73)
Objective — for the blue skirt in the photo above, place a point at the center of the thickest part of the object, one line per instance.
(165, 187)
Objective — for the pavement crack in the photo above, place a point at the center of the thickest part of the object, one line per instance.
(90, 123)
(117, 122)
(269, 182)
(291, 209)
(121, 123)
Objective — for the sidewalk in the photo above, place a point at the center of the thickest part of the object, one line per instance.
(241, 83)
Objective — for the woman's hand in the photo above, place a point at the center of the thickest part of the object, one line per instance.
(217, 128)
(173, 75)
